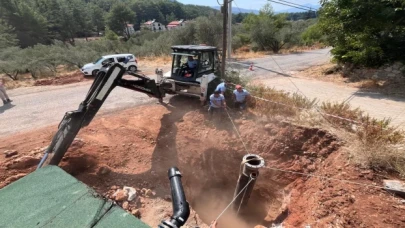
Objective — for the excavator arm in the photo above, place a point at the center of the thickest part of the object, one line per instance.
(107, 79)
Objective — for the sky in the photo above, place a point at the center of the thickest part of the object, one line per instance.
(250, 4)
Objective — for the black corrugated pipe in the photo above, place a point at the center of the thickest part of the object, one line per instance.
(181, 208)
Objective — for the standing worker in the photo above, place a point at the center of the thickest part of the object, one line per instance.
(3, 94)
(240, 97)
(222, 87)
(217, 103)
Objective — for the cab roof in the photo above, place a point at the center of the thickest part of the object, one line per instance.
(194, 48)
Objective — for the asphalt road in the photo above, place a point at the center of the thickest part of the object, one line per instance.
(35, 107)
(281, 72)
(279, 65)
(46, 105)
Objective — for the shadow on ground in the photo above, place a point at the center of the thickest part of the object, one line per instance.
(6, 107)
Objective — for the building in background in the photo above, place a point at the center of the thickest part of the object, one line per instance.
(153, 25)
(176, 24)
(130, 29)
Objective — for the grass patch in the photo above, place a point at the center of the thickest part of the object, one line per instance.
(283, 103)
(378, 145)
(378, 142)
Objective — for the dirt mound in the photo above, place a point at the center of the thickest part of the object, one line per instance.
(136, 147)
(64, 79)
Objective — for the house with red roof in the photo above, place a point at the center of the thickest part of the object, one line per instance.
(176, 24)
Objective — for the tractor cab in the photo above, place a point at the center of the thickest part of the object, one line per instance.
(194, 72)
(191, 62)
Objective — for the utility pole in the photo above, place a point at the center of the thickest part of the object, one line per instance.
(230, 29)
(224, 34)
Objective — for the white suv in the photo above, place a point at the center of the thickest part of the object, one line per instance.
(93, 68)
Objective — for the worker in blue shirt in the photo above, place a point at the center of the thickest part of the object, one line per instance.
(240, 97)
(217, 103)
(191, 66)
(222, 87)
(191, 62)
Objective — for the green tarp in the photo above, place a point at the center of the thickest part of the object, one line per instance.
(49, 197)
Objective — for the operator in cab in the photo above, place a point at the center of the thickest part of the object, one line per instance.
(191, 66)
(192, 63)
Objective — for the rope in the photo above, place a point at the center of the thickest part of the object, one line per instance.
(240, 204)
(293, 106)
(237, 132)
(325, 178)
(233, 200)
(298, 89)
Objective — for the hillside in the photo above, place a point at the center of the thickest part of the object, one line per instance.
(42, 21)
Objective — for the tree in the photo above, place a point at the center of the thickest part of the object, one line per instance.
(171, 17)
(367, 33)
(82, 19)
(118, 18)
(208, 30)
(267, 30)
(238, 18)
(97, 18)
(110, 35)
(79, 54)
(313, 34)
(29, 25)
(7, 36)
(10, 62)
(51, 11)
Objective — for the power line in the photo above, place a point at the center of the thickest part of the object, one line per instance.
(237, 7)
(291, 5)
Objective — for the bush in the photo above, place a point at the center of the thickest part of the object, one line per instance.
(343, 110)
(313, 34)
(368, 33)
(110, 35)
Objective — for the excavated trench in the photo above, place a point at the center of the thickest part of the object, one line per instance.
(125, 150)
(211, 176)
(209, 157)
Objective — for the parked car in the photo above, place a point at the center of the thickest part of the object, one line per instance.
(93, 68)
